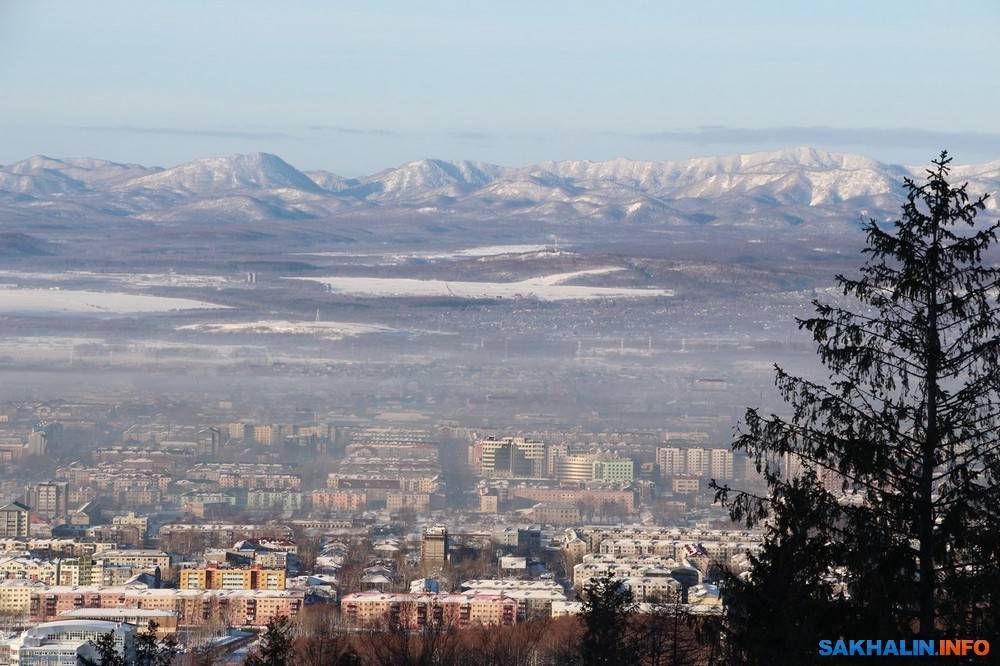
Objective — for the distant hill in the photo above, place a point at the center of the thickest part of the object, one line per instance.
(776, 189)
(21, 245)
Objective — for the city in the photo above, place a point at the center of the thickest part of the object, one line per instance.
(513, 334)
(216, 528)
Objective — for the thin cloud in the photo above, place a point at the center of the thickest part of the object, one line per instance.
(471, 136)
(181, 131)
(844, 136)
(358, 131)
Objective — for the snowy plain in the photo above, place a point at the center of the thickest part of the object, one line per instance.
(68, 301)
(545, 288)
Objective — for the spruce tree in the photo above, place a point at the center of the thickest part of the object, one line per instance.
(107, 652)
(277, 645)
(882, 515)
(149, 651)
(608, 606)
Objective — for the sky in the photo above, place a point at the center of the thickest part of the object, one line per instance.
(361, 86)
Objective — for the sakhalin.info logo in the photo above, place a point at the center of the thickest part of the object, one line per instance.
(904, 648)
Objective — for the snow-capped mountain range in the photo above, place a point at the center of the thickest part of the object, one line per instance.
(786, 187)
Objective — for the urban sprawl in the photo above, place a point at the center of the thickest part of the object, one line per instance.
(118, 515)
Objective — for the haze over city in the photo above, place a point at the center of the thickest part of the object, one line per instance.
(501, 333)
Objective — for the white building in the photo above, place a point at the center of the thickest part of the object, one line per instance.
(64, 642)
(510, 457)
(697, 462)
(671, 461)
(650, 588)
(534, 597)
(721, 464)
(716, 463)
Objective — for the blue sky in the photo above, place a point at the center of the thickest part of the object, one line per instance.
(355, 87)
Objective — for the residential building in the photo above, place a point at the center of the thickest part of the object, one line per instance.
(671, 461)
(489, 503)
(130, 519)
(419, 502)
(241, 608)
(268, 435)
(48, 499)
(555, 513)
(683, 485)
(534, 597)
(655, 588)
(38, 443)
(698, 462)
(417, 610)
(616, 470)
(338, 500)
(140, 558)
(280, 500)
(592, 497)
(28, 568)
(721, 464)
(231, 578)
(509, 457)
(695, 461)
(14, 521)
(434, 547)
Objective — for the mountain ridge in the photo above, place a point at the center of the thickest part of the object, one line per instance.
(804, 182)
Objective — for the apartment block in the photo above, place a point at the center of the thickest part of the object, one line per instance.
(241, 608)
(231, 578)
(414, 610)
(14, 522)
(509, 457)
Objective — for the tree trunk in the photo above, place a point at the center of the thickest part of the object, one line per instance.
(928, 449)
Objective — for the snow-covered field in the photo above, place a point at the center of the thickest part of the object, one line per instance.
(486, 251)
(546, 288)
(328, 330)
(68, 301)
(131, 279)
(466, 253)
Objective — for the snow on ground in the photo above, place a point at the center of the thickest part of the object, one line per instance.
(546, 288)
(562, 278)
(467, 253)
(487, 251)
(167, 279)
(132, 279)
(329, 330)
(62, 301)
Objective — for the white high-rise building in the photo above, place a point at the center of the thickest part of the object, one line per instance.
(698, 462)
(38, 443)
(510, 457)
(671, 461)
(721, 464)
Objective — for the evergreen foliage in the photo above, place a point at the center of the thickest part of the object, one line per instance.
(607, 607)
(277, 645)
(883, 516)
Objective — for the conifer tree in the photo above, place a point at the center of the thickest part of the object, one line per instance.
(883, 510)
(107, 652)
(608, 606)
(149, 651)
(277, 645)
